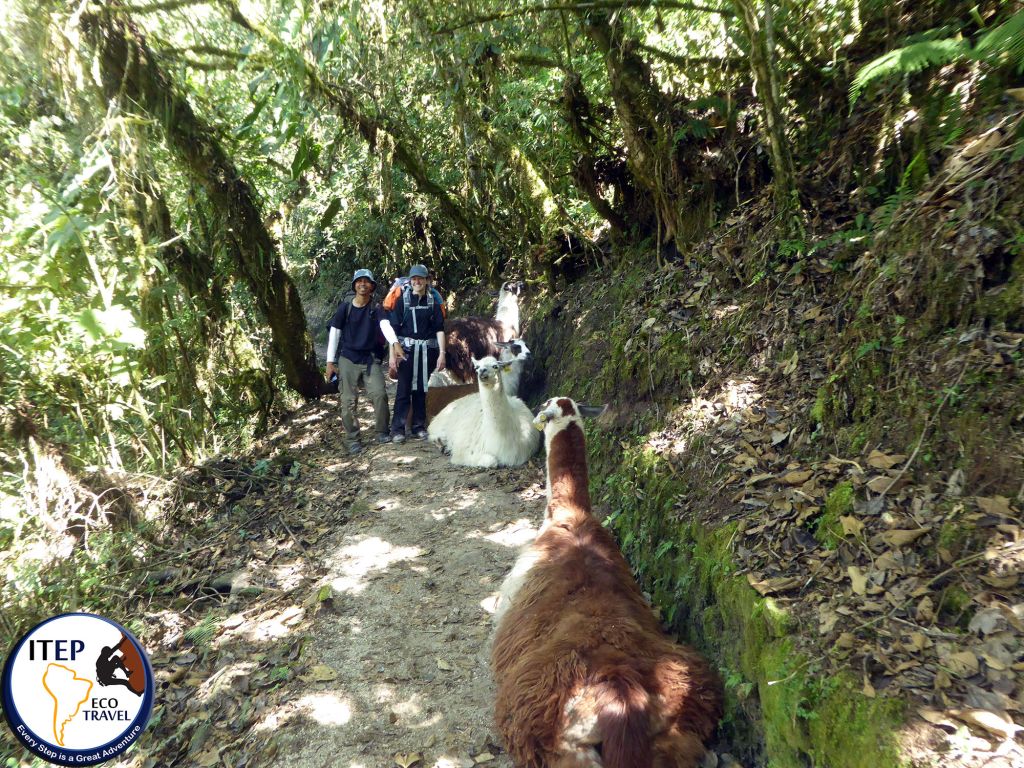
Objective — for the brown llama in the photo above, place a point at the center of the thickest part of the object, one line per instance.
(585, 677)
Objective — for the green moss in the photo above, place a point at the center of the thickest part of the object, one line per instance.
(818, 411)
(774, 694)
(953, 537)
(955, 606)
(828, 530)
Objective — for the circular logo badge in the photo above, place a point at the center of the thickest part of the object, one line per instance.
(77, 689)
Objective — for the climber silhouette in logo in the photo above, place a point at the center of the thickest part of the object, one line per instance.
(121, 659)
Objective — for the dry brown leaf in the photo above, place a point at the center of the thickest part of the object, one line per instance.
(995, 505)
(408, 759)
(858, 579)
(880, 483)
(880, 460)
(845, 640)
(963, 664)
(925, 611)
(869, 689)
(321, 673)
(766, 587)
(791, 364)
(901, 537)
(851, 525)
(797, 477)
(935, 717)
(483, 757)
(998, 723)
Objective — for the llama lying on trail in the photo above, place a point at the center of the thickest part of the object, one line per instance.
(489, 428)
(443, 391)
(585, 676)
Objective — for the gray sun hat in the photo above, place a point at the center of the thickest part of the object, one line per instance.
(363, 273)
(418, 270)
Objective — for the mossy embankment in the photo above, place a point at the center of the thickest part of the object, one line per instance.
(813, 339)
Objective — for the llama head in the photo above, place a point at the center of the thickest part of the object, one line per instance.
(515, 287)
(488, 371)
(515, 349)
(558, 412)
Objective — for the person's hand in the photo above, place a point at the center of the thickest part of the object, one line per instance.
(397, 353)
(440, 362)
(331, 368)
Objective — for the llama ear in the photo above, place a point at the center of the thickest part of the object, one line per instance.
(592, 411)
(476, 363)
(503, 344)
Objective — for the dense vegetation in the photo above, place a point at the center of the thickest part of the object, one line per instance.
(180, 178)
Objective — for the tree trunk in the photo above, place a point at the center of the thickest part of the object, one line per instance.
(128, 70)
(586, 170)
(767, 82)
(646, 117)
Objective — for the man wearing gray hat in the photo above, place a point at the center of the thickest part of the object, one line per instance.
(419, 324)
(357, 327)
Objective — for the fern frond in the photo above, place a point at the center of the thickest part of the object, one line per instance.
(203, 632)
(1007, 38)
(907, 60)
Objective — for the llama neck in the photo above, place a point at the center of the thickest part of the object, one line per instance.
(568, 479)
(507, 314)
(491, 401)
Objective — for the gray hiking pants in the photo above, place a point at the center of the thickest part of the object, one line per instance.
(349, 374)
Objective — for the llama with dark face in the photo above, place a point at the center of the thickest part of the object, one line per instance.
(585, 676)
(469, 338)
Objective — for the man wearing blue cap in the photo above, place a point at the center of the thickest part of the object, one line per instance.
(355, 327)
(417, 320)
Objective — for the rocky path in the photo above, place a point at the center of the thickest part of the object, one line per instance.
(403, 648)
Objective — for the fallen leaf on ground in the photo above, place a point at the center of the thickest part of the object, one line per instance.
(901, 537)
(797, 477)
(880, 460)
(321, 673)
(995, 505)
(858, 579)
(998, 723)
(408, 760)
(772, 586)
(851, 525)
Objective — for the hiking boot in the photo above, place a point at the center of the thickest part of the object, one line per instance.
(398, 439)
(354, 448)
(420, 434)
(384, 437)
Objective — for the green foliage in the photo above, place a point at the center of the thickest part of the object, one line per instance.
(1001, 45)
(906, 61)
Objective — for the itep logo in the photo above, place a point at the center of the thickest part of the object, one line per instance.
(77, 689)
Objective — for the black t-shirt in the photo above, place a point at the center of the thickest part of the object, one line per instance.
(358, 331)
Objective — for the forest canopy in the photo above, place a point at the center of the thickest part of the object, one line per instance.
(180, 177)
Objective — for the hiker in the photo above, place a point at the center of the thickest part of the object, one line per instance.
(419, 325)
(359, 325)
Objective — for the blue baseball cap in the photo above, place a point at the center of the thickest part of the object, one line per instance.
(418, 270)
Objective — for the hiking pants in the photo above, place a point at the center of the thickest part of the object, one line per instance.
(405, 395)
(349, 374)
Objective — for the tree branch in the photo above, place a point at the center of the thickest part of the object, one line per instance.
(167, 5)
(674, 5)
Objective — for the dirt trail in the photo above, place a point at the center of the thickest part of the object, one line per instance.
(412, 577)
